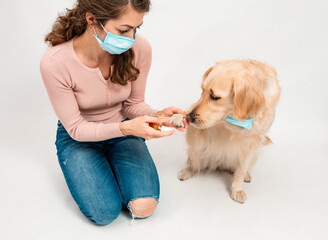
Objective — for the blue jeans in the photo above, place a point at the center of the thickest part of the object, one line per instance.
(104, 176)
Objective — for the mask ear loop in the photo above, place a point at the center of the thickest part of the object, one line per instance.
(94, 30)
(103, 27)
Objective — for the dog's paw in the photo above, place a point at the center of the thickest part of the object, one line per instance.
(247, 178)
(238, 196)
(177, 120)
(184, 174)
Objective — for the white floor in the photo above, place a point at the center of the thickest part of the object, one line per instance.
(288, 198)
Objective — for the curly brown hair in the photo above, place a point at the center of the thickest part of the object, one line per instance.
(73, 23)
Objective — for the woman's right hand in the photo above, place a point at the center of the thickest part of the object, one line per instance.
(140, 127)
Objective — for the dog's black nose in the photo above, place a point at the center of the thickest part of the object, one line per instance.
(188, 118)
(191, 117)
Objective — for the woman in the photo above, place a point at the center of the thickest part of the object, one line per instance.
(95, 75)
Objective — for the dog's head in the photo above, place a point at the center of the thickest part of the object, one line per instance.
(232, 87)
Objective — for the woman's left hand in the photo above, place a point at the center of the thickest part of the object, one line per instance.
(166, 113)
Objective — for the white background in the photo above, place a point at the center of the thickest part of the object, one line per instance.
(288, 198)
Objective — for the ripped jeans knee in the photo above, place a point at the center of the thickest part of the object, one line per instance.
(142, 207)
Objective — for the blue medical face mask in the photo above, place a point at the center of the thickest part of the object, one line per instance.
(115, 44)
(247, 123)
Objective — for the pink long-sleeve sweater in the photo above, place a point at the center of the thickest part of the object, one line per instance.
(89, 106)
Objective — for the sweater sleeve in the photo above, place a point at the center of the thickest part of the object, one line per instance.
(59, 88)
(135, 105)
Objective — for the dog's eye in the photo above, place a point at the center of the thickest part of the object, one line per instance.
(214, 97)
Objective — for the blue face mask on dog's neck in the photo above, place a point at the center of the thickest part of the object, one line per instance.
(247, 123)
(115, 44)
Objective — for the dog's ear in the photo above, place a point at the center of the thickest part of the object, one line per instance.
(247, 99)
(207, 73)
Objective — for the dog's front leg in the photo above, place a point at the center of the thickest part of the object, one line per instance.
(237, 191)
(193, 166)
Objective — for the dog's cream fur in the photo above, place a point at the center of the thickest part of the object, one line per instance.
(246, 89)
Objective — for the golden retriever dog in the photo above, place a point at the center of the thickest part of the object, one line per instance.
(244, 91)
